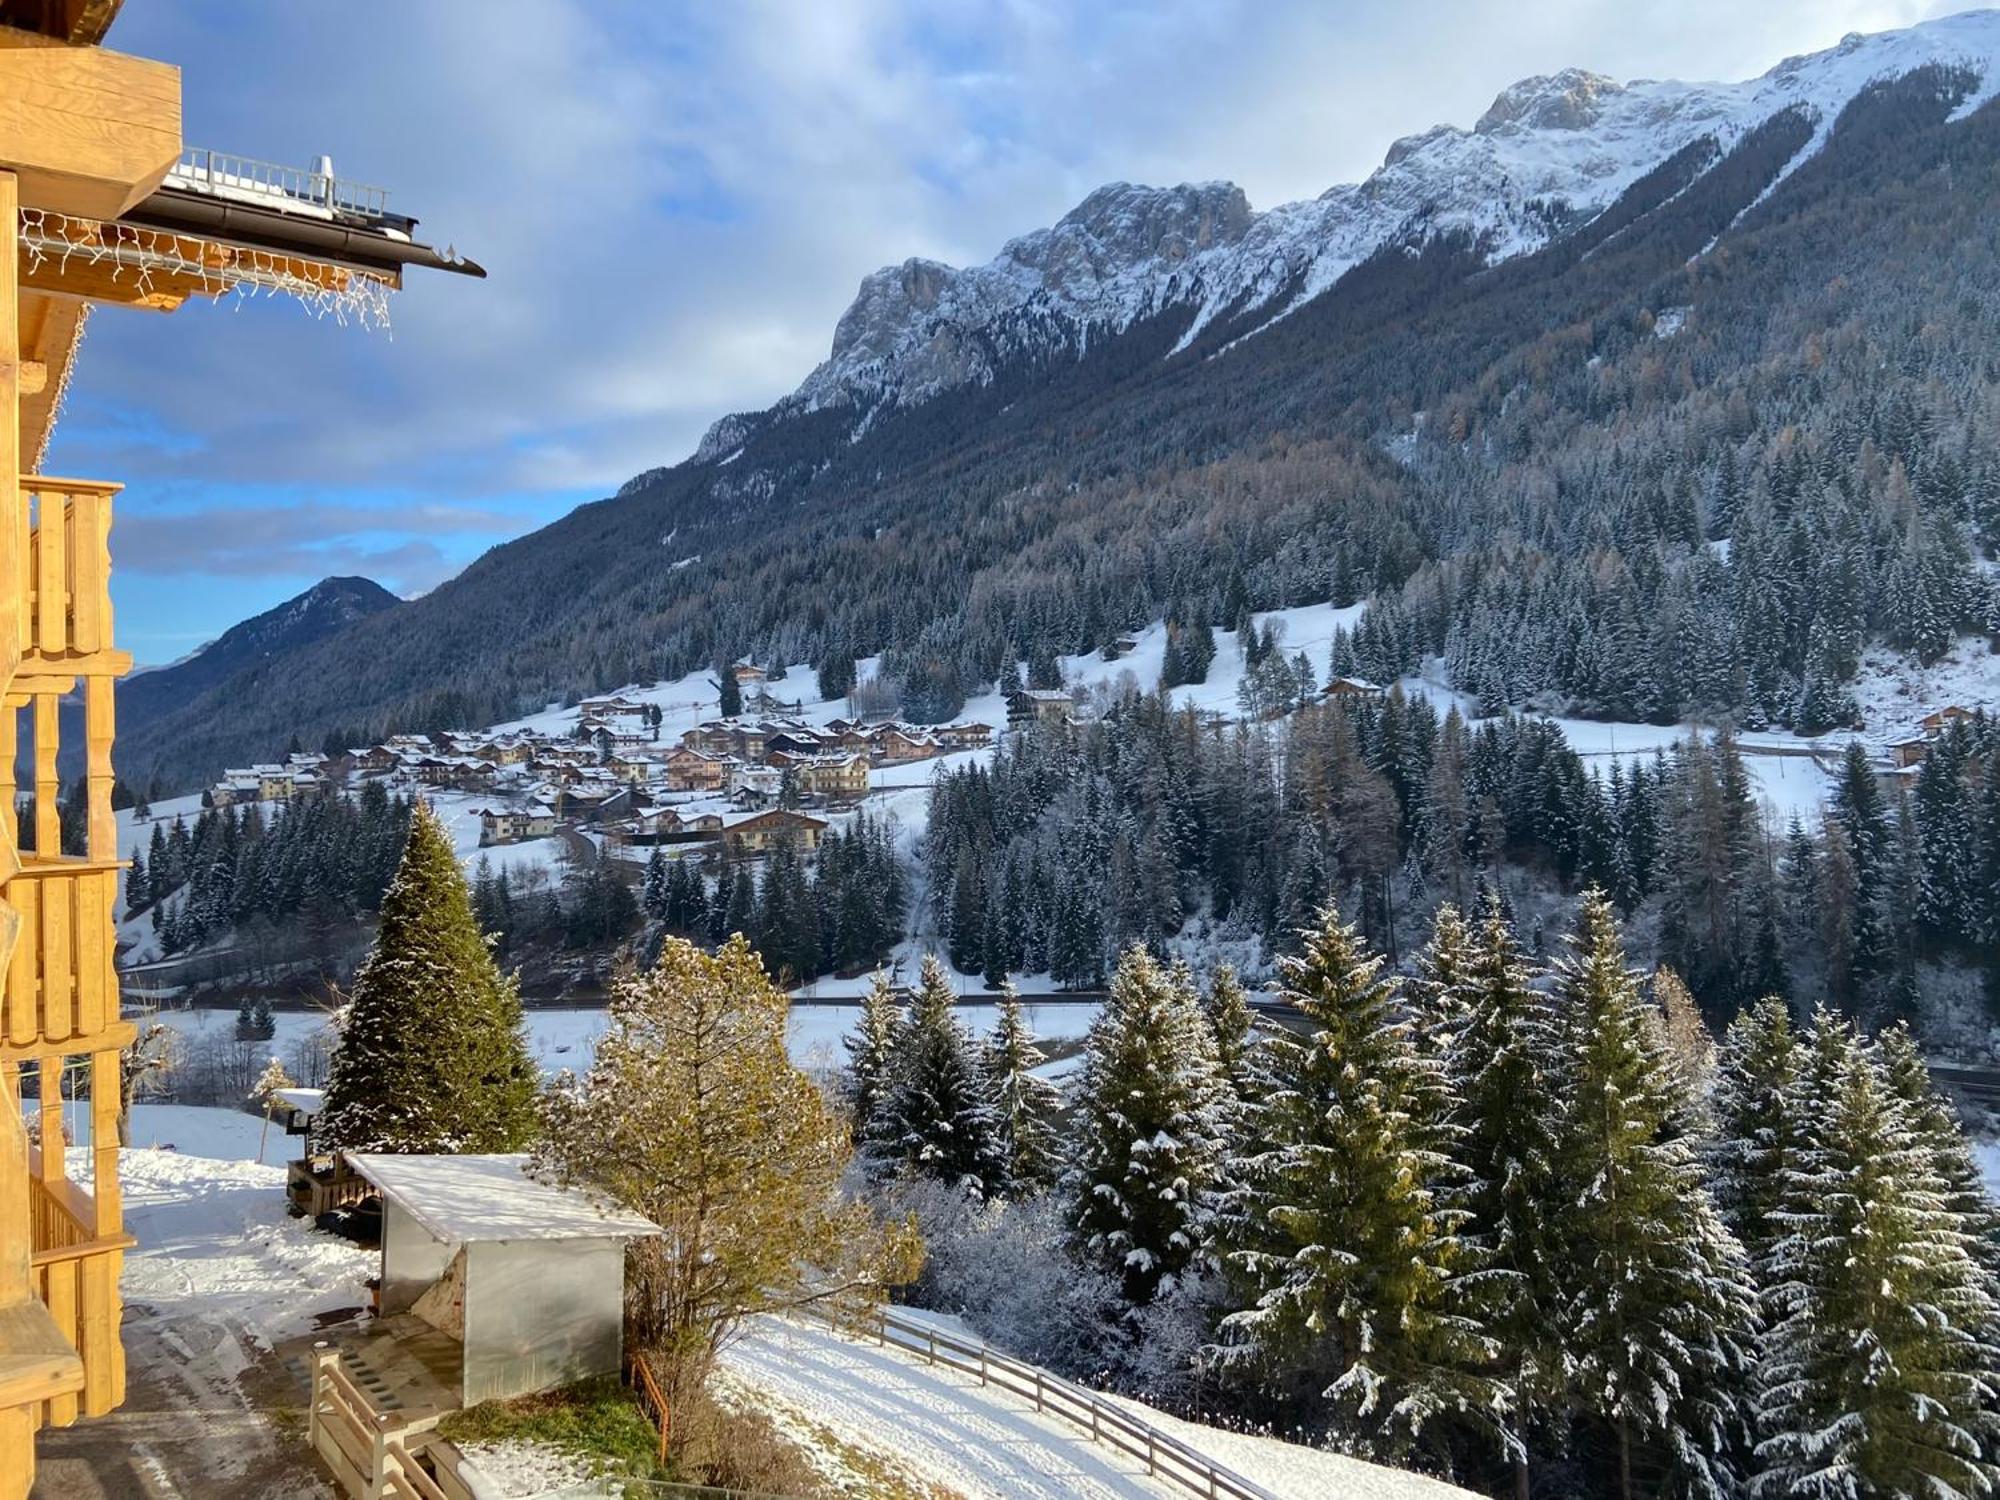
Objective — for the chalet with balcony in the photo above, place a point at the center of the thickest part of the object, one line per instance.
(1026, 706)
(751, 834)
(689, 770)
(101, 206)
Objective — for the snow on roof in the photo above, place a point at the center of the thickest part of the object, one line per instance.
(462, 1199)
(307, 1102)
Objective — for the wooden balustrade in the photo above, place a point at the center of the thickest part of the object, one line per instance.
(61, 983)
(76, 1277)
(62, 534)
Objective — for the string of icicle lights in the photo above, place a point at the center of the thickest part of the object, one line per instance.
(143, 254)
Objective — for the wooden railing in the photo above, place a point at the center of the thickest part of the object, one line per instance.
(63, 540)
(61, 984)
(372, 1453)
(652, 1401)
(76, 1277)
(1166, 1458)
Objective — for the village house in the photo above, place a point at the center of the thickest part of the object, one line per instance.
(755, 784)
(1942, 719)
(748, 672)
(510, 825)
(756, 833)
(1352, 687)
(895, 745)
(375, 759)
(836, 777)
(1909, 752)
(971, 735)
(691, 770)
(1027, 706)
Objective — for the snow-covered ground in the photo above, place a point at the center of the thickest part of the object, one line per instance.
(982, 1441)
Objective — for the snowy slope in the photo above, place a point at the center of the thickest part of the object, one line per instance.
(1551, 152)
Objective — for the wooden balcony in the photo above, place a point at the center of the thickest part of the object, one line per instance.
(60, 536)
(61, 992)
(76, 1268)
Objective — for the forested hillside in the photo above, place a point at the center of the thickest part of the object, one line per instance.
(1689, 456)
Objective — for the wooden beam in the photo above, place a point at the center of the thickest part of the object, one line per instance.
(89, 131)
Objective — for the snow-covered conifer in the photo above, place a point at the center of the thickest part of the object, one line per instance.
(1024, 1103)
(1877, 1378)
(1346, 1258)
(1502, 1080)
(871, 1052)
(1148, 1135)
(936, 1117)
(433, 1056)
(1655, 1301)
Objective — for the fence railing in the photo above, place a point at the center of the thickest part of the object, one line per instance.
(651, 1400)
(219, 171)
(61, 536)
(60, 981)
(1107, 1422)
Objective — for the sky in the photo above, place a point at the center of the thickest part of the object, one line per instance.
(675, 202)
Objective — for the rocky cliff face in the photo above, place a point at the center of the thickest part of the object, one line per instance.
(1548, 155)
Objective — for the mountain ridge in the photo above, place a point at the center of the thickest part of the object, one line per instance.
(1437, 425)
(1551, 151)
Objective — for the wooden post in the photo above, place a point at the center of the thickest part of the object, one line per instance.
(48, 786)
(99, 728)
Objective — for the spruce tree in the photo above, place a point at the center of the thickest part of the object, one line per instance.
(1147, 1140)
(433, 1056)
(1230, 1021)
(1758, 1131)
(1877, 1377)
(1345, 1257)
(1655, 1304)
(936, 1118)
(1937, 1125)
(871, 1053)
(1024, 1103)
(1508, 1112)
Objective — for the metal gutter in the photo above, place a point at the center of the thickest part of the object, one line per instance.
(268, 229)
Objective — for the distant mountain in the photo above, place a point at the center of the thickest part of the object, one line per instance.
(1517, 387)
(328, 606)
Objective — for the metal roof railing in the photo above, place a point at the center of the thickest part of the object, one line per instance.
(225, 175)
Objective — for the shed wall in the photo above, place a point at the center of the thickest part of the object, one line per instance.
(411, 1259)
(541, 1313)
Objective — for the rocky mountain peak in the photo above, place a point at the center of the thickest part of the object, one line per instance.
(1570, 100)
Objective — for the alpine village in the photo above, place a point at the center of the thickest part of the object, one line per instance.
(1344, 850)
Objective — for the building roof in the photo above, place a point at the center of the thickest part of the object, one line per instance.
(307, 1102)
(463, 1199)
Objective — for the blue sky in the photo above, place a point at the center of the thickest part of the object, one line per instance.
(676, 201)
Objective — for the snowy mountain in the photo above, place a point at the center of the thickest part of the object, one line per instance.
(328, 606)
(1551, 154)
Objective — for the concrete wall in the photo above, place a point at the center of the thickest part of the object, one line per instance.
(541, 1313)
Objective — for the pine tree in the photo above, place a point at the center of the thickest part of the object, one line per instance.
(1024, 1103)
(1937, 1125)
(1758, 1132)
(871, 1053)
(937, 1116)
(1226, 1004)
(1346, 1259)
(1876, 1377)
(433, 1056)
(1655, 1300)
(1508, 1112)
(1148, 1134)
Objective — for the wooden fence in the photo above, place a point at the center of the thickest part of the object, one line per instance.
(1166, 1458)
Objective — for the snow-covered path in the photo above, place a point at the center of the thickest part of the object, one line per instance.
(978, 1441)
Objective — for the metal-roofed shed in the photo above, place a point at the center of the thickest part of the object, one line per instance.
(528, 1277)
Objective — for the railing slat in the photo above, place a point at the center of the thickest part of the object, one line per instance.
(51, 573)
